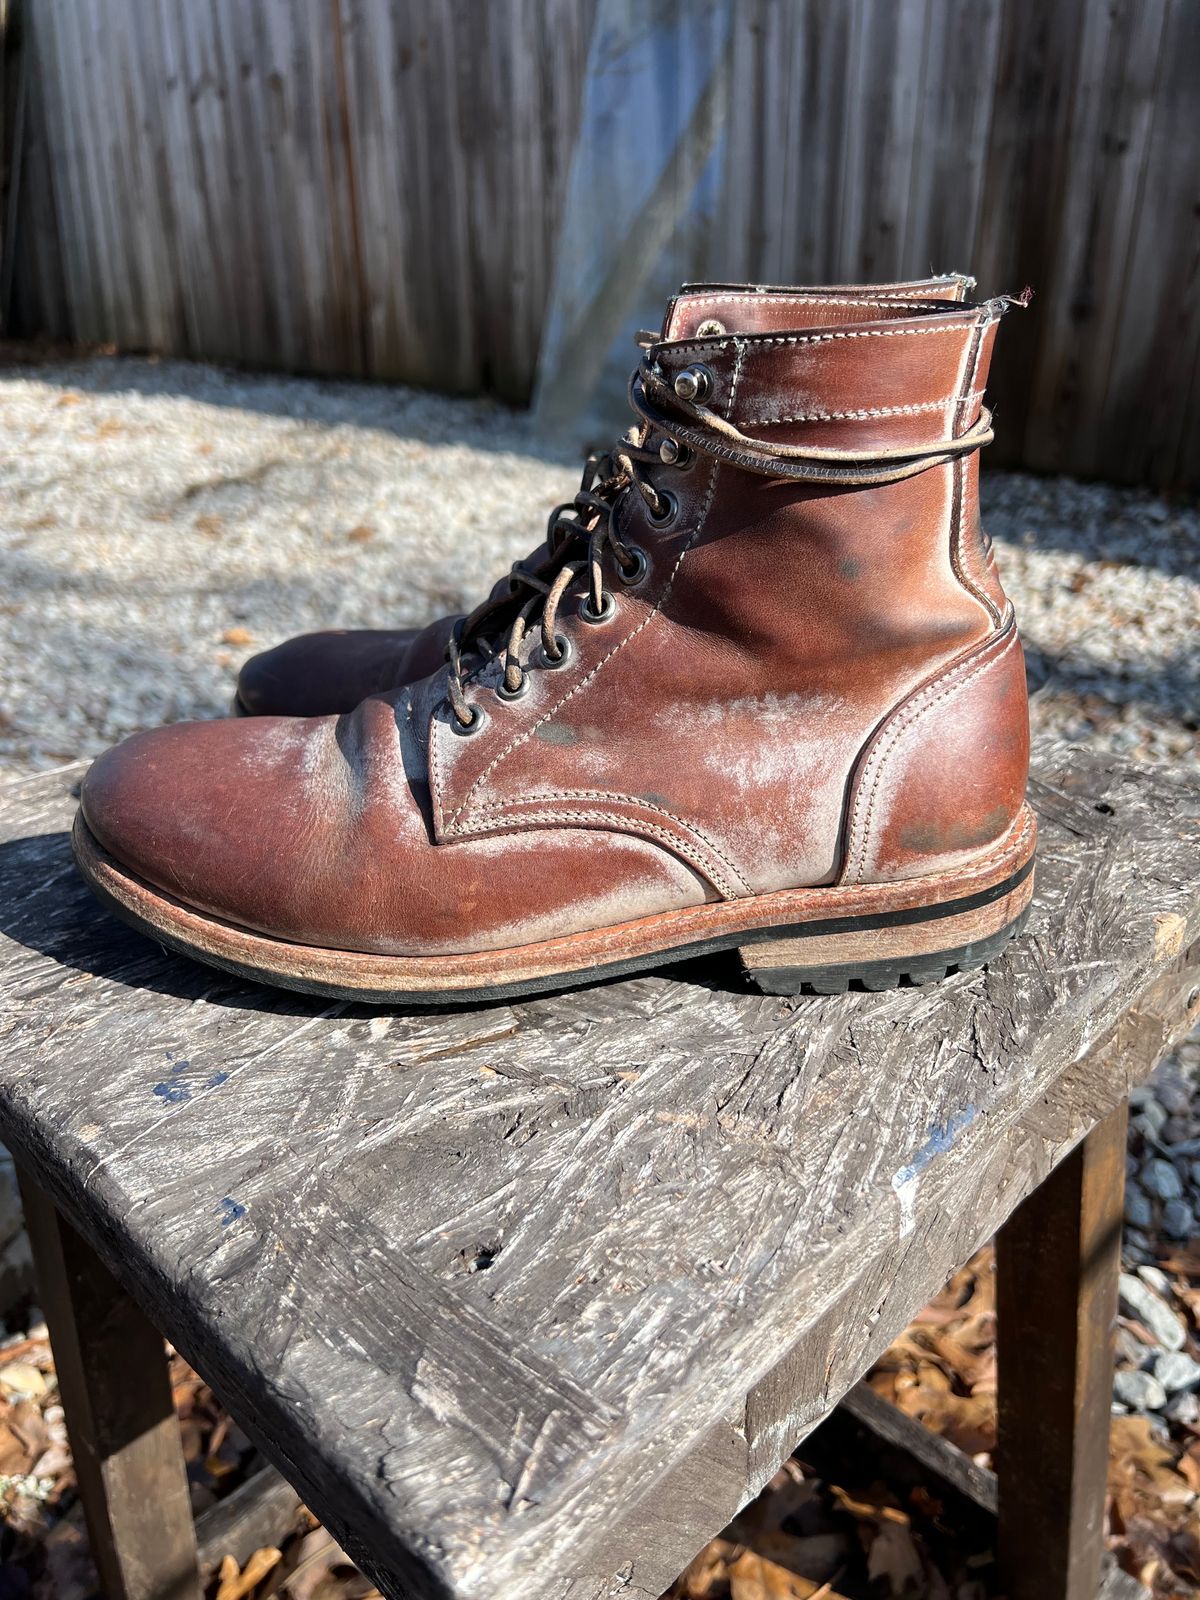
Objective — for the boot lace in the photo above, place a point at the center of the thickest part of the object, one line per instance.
(580, 531)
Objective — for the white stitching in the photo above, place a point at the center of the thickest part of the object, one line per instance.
(749, 298)
(822, 338)
(620, 824)
(904, 720)
(875, 411)
(633, 800)
(959, 482)
(645, 622)
(971, 391)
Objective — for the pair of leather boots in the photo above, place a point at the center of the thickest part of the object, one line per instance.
(760, 689)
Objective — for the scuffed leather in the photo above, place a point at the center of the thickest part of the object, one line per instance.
(703, 743)
(944, 775)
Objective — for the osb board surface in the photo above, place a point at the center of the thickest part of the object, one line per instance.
(527, 1299)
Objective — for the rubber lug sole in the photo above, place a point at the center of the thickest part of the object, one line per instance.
(875, 976)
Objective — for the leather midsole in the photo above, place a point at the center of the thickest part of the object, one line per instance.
(837, 922)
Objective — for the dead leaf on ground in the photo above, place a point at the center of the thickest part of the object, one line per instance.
(235, 1584)
(753, 1577)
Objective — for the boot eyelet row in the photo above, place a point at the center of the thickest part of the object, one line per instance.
(606, 612)
(631, 576)
(665, 518)
(465, 730)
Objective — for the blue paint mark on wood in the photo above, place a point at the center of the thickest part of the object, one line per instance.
(941, 1136)
(173, 1093)
(217, 1079)
(230, 1210)
(905, 1183)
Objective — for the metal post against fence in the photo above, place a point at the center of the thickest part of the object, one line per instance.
(641, 200)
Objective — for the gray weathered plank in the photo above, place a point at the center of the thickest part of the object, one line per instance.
(529, 1299)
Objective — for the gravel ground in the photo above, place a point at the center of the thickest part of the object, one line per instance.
(162, 521)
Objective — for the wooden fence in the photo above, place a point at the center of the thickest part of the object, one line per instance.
(383, 187)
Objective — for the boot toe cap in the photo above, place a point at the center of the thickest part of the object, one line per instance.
(199, 811)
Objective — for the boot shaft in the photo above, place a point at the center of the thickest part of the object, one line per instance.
(870, 566)
(801, 587)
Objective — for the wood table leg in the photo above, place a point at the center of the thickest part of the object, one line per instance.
(1057, 1260)
(116, 1394)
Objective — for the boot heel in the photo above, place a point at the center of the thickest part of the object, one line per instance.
(884, 957)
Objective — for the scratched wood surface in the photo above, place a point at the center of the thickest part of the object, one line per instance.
(526, 1300)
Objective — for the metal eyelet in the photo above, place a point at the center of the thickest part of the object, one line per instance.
(503, 692)
(694, 383)
(641, 565)
(464, 730)
(673, 454)
(664, 519)
(564, 657)
(606, 613)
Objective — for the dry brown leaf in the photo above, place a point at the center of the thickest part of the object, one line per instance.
(706, 1577)
(1184, 1261)
(23, 1437)
(752, 1577)
(1142, 1477)
(875, 1505)
(1189, 1464)
(235, 1585)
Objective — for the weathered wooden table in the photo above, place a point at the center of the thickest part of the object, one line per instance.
(529, 1300)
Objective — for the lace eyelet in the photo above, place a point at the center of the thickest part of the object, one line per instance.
(503, 692)
(641, 565)
(597, 618)
(564, 657)
(665, 518)
(464, 730)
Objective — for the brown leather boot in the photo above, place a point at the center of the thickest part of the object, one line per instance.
(321, 674)
(767, 694)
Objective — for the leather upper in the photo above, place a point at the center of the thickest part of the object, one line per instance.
(788, 646)
(321, 674)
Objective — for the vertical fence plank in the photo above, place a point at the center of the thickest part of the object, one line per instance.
(1150, 415)
(377, 187)
(1082, 308)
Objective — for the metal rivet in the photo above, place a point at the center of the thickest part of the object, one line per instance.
(673, 454)
(710, 328)
(694, 383)
(665, 517)
(566, 654)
